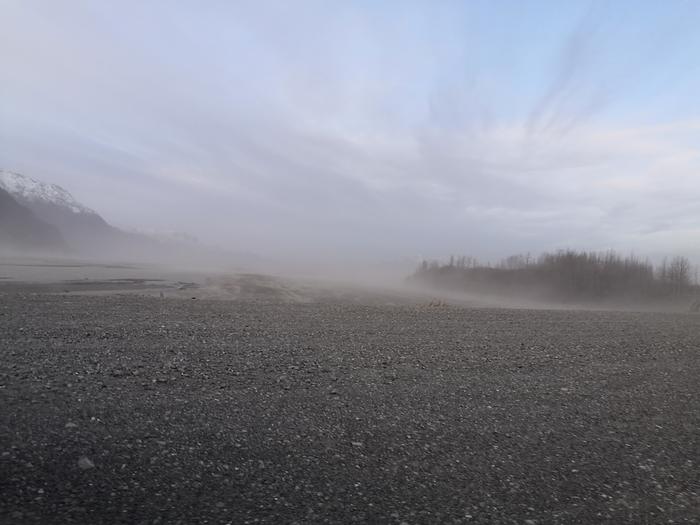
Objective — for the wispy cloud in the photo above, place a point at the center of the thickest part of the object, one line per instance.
(400, 128)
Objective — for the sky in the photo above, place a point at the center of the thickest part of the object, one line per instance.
(365, 130)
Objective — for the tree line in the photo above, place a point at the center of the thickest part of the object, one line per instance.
(566, 274)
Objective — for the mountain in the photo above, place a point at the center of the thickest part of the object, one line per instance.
(87, 234)
(82, 228)
(28, 190)
(22, 231)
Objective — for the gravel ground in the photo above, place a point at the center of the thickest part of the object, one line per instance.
(144, 410)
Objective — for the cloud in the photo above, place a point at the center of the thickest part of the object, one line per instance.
(352, 129)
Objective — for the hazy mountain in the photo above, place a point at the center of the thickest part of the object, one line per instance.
(22, 230)
(87, 234)
(28, 190)
(82, 228)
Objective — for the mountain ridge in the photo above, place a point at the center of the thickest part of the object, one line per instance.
(29, 189)
(85, 233)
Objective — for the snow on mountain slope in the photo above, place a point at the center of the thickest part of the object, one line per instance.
(28, 189)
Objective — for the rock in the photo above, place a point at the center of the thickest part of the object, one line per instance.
(70, 424)
(85, 464)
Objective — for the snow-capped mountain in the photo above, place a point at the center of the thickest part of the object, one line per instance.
(40, 216)
(27, 189)
(83, 229)
(85, 232)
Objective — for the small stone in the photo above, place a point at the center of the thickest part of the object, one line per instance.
(85, 464)
(220, 505)
(530, 522)
(70, 424)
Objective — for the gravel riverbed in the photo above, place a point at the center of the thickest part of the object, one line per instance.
(129, 409)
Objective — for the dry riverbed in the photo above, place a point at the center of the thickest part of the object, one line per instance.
(134, 409)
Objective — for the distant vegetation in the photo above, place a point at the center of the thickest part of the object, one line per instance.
(566, 274)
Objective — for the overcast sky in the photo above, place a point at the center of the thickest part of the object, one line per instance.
(365, 128)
